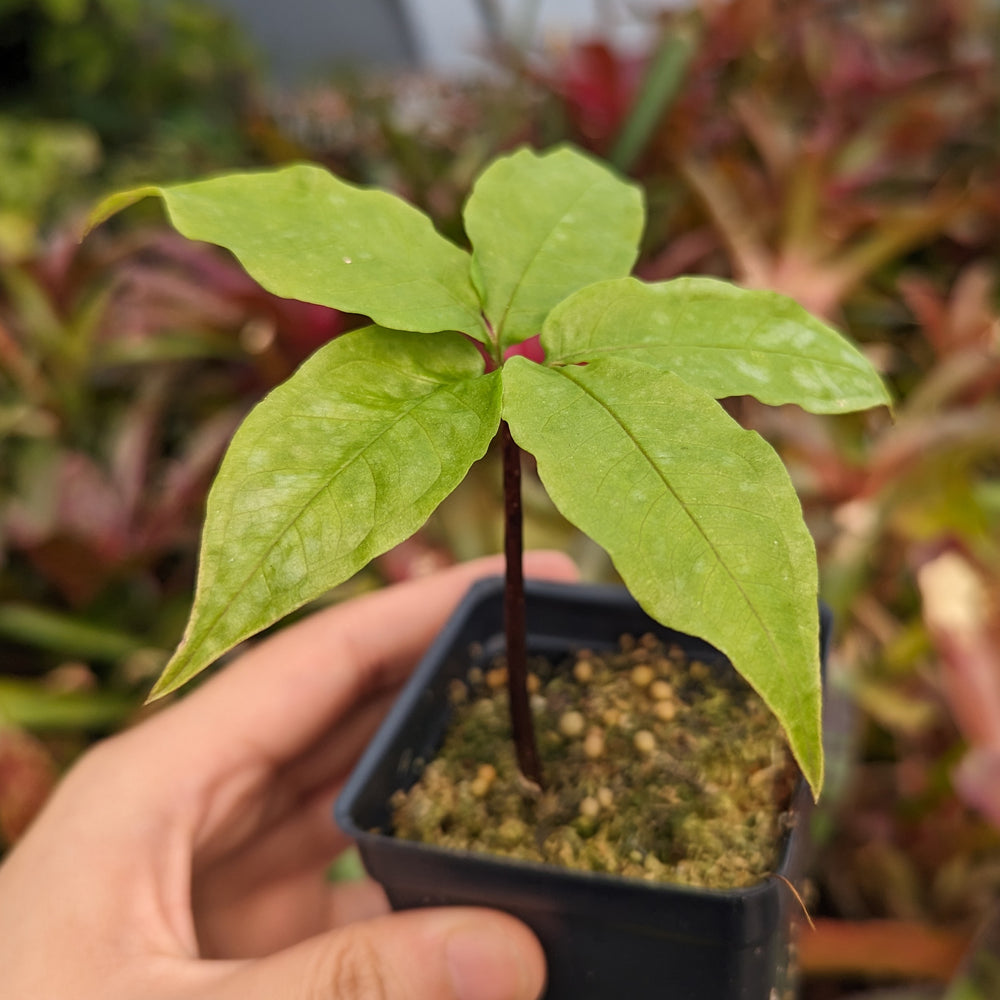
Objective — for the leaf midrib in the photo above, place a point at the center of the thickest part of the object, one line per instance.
(689, 514)
(542, 243)
(358, 455)
(582, 355)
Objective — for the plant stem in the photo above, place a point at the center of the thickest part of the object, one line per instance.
(515, 626)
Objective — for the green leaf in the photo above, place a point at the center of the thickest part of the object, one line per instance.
(30, 705)
(543, 226)
(727, 340)
(338, 464)
(662, 83)
(699, 516)
(66, 634)
(305, 234)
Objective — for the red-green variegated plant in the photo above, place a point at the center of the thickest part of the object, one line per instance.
(352, 454)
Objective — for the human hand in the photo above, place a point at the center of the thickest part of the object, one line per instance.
(184, 858)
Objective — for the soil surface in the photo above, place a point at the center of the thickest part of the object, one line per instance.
(655, 767)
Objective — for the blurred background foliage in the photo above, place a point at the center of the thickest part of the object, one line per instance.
(845, 153)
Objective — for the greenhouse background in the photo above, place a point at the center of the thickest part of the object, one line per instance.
(844, 153)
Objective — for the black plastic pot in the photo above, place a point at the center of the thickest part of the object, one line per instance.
(604, 937)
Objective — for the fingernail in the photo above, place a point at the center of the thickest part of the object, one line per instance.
(486, 963)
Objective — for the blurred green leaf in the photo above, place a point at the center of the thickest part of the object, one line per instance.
(348, 867)
(33, 707)
(60, 633)
(67, 12)
(660, 86)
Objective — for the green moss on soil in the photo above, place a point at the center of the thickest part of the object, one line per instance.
(655, 768)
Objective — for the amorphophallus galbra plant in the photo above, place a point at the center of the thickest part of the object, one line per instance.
(351, 454)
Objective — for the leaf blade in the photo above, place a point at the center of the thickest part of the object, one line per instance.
(305, 234)
(541, 227)
(727, 340)
(615, 453)
(312, 487)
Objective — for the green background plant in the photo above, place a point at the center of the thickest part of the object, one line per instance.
(134, 71)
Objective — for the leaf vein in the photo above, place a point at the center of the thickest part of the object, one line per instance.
(690, 514)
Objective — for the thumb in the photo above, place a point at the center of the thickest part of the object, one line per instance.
(455, 953)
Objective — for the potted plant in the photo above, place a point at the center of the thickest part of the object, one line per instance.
(354, 451)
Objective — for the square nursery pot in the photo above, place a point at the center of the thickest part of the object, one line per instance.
(604, 936)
